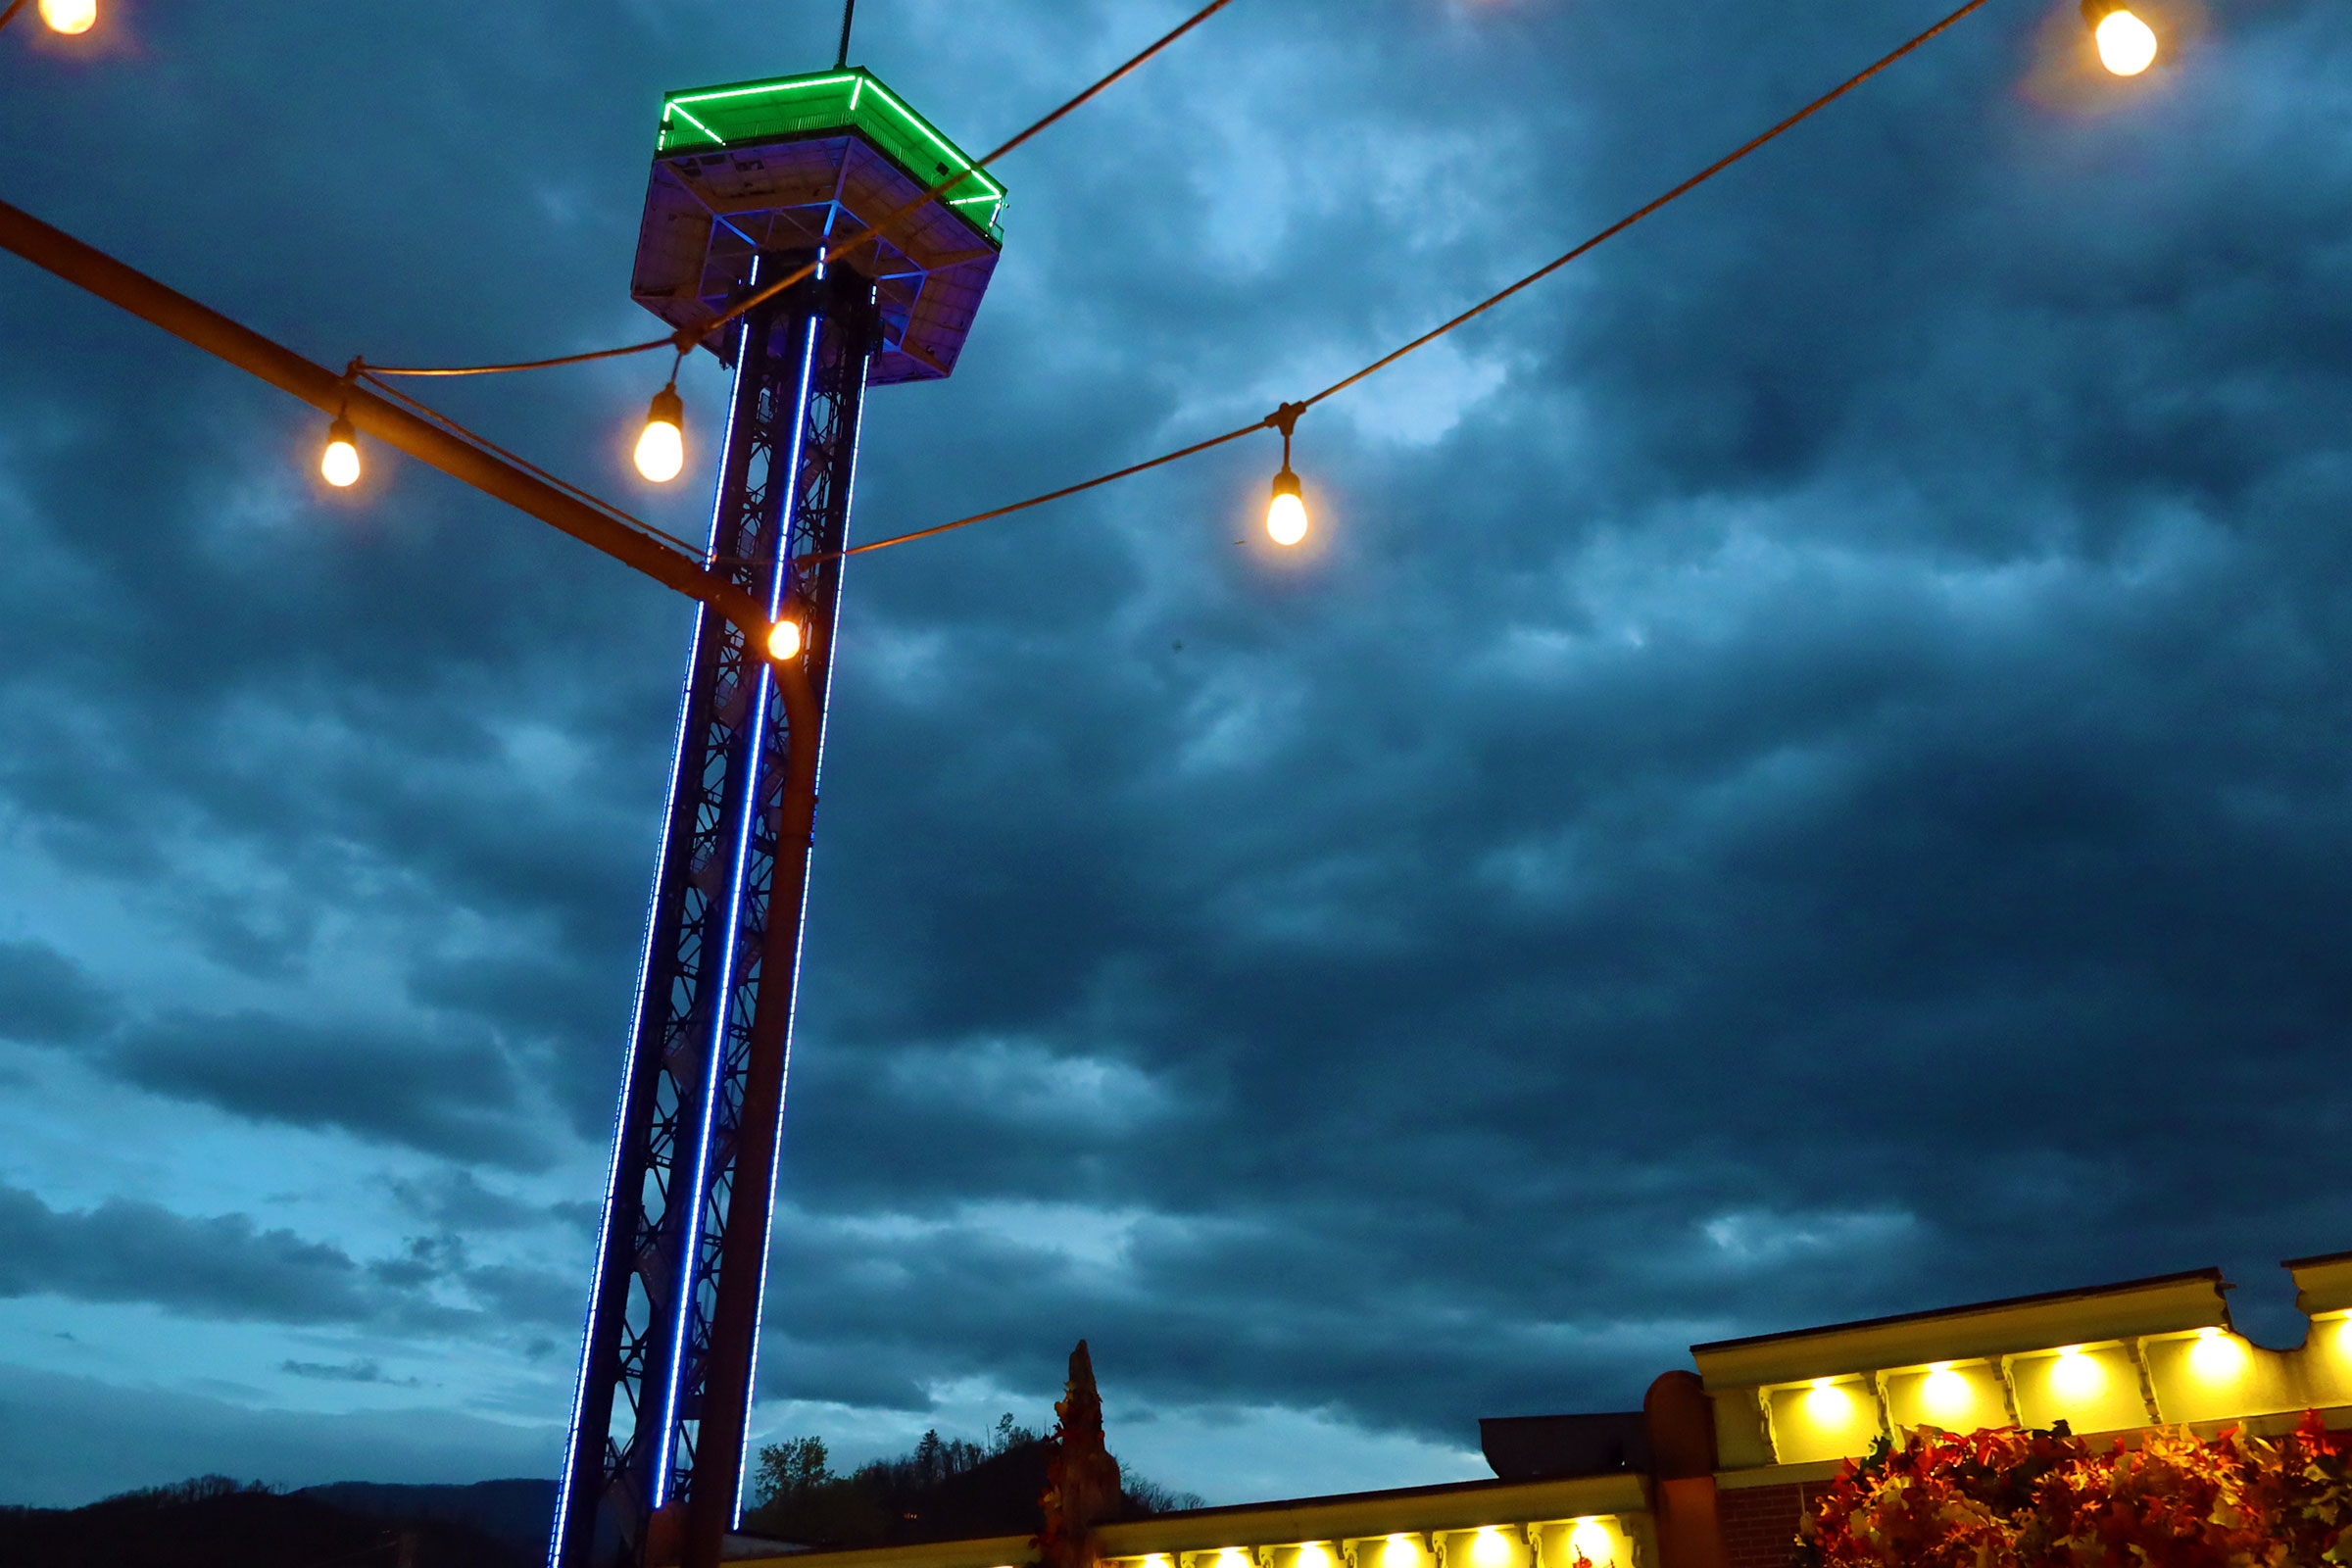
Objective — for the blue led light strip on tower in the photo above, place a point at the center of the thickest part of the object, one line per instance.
(661, 1424)
(740, 896)
(645, 960)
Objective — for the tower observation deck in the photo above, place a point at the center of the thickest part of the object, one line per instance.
(750, 180)
(775, 167)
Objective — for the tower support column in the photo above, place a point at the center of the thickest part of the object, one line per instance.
(653, 1467)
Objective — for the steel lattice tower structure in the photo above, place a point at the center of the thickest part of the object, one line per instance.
(751, 182)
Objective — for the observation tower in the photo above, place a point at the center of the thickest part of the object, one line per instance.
(752, 181)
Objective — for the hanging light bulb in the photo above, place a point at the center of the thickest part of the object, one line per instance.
(70, 15)
(1286, 510)
(2127, 44)
(339, 464)
(784, 639)
(661, 450)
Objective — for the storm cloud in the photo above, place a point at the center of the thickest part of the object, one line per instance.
(1803, 772)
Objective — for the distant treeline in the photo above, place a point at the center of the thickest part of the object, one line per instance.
(215, 1522)
(943, 1490)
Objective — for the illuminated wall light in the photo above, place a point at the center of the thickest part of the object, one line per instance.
(2216, 1358)
(1401, 1552)
(2077, 1375)
(1944, 1392)
(1312, 1556)
(1592, 1541)
(1233, 1558)
(1488, 1548)
(1827, 1404)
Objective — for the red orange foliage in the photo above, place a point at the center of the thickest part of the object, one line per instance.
(2045, 1500)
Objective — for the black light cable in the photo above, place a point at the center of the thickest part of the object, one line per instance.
(686, 338)
(1285, 417)
(475, 438)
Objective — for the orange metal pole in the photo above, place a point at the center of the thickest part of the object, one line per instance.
(88, 267)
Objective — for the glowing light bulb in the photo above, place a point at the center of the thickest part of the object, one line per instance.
(784, 639)
(2127, 44)
(70, 15)
(2215, 1356)
(339, 464)
(1946, 1392)
(1589, 1539)
(1285, 512)
(1828, 1405)
(2077, 1375)
(1488, 1548)
(662, 449)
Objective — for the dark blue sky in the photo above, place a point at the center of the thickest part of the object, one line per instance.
(1803, 774)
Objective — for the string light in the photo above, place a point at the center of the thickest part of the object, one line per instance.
(1286, 510)
(2127, 44)
(660, 452)
(1463, 320)
(890, 221)
(70, 15)
(685, 338)
(474, 438)
(339, 464)
(662, 449)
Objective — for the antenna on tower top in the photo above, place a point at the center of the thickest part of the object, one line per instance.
(849, 8)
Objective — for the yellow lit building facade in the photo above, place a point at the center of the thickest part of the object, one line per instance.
(1729, 1454)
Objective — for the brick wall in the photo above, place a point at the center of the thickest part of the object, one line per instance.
(1759, 1523)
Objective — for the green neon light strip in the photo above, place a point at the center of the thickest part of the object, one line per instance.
(933, 138)
(765, 86)
(859, 82)
(690, 120)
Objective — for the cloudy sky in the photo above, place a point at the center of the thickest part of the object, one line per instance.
(1805, 772)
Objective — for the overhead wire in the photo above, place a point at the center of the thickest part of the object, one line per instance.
(1638, 214)
(521, 365)
(1291, 410)
(687, 337)
(426, 410)
(834, 253)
